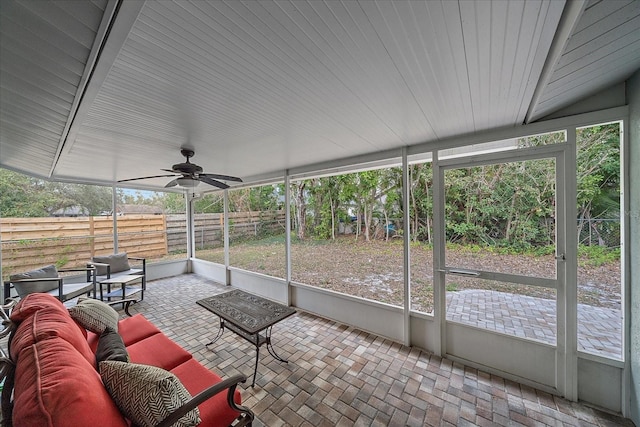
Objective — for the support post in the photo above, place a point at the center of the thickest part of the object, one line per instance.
(287, 244)
(567, 267)
(191, 233)
(226, 237)
(407, 247)
(439, 296)
(114, 208)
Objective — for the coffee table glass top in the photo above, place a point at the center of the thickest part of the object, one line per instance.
(249, 312)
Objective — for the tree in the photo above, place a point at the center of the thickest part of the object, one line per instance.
(18, 196)
(300, 207)
(368, 190)
(421, 202)
(25, 196)
(328, 196)
(94, 198)
(598, 175)
(262, 198)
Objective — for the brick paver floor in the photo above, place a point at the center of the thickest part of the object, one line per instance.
(599, 329)
(341, 376)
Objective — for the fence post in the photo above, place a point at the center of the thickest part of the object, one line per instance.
(92, 237)
(165, 233)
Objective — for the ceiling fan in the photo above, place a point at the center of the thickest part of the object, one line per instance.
(190, 175)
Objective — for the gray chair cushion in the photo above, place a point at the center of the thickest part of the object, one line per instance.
(118, 262)
(23, 289)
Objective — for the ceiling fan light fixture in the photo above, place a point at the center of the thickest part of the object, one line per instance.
(187, 182)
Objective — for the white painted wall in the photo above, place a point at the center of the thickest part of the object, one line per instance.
(600, 383)
(210, 270)
(381, 319)
(266, 286)
(167, 269)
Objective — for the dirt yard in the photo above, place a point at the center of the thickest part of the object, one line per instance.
(373, 270)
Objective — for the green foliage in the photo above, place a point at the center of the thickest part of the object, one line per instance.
(254, 199)
(173, 203)
(598, 255)
(598, 175)
(61, 262)
(540, 140)
(506, 207)
(543, 250)
(210, 203)
(452, 287)
(505, 204)
(26, 197)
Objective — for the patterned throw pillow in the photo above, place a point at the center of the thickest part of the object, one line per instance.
(111, 347)
(94, 315)
(146, 394)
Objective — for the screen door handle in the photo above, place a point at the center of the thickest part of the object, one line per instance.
(462, 272)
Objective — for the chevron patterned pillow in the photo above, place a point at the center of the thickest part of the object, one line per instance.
(146, 394)
(94, 315)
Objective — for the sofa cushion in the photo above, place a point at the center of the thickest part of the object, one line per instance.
(136, 328)
(158, 350)
(111, 347)
(50, 323)
(131, 329)
(23, 289)
(215, 412)
(94, 315)
(146, 394)
(34, 302)
(117, 262)
(56, 386)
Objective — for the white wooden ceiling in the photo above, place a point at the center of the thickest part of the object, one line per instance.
(101, 91)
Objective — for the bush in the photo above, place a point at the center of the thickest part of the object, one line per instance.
(598, 255)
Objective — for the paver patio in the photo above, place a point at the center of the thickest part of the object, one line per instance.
(599, 329)
(341, 376)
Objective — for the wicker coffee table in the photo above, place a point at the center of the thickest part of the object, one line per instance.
(249, 316)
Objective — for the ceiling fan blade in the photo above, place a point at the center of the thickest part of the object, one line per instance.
(146, 177)
(222, 177)
(169, 170)
(213, 182)
(172, 183)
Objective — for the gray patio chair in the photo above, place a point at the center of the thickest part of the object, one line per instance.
(48, 280)
(115, 265)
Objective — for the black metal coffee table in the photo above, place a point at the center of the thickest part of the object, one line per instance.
(247, 315)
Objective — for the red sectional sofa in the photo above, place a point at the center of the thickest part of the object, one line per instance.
(56, 381)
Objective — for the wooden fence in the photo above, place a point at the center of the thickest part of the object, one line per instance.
(29, 243)
(209, 228)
